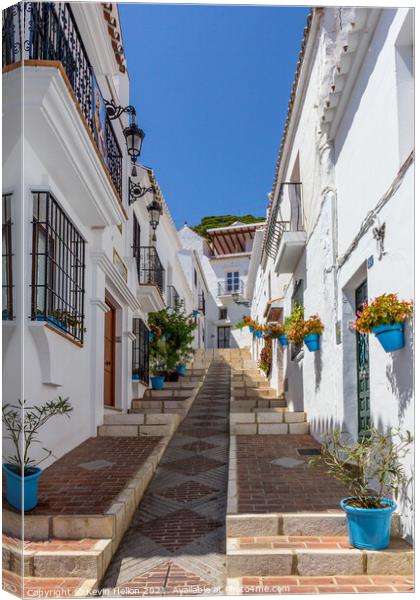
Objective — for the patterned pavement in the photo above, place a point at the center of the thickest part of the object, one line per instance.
(175, 544)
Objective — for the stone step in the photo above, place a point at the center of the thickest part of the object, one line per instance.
(87, 558)
(180, 385)
(340, 584)
(329, 523)
(268, 428)
(49, 587)
(133, 425)
(248, 383)
(314, 556)
(166, 394)
(252, 404)
(253, 392)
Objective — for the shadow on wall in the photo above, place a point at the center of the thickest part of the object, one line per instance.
(318, 370)
(322, 425)
(400, 373)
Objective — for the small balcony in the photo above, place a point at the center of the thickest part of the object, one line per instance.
(173, 299)
(44, 38)
(151, 275)
(286, 237)
(230, 288)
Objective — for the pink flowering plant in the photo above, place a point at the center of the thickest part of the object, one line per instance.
(383, 310)
(298, 328)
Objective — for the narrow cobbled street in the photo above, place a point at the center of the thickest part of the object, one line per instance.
(176, 542)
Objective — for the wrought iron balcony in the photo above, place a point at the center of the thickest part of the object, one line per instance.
(230, 288)
(173, 299)
(47, 31)
(149, 268)
(286, 216)
(202, 303)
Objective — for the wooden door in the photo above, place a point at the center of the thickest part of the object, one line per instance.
(109, 356)
(363, 387)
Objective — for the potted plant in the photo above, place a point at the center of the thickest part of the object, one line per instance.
(135, 376)
(374, 460)
(246, 322)
(22, 472)
(312, 329)
(266, 358)
(278, 331)
(385, 316)
(295, 323)
(157, 368)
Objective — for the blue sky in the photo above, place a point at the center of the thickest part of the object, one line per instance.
(211, 86)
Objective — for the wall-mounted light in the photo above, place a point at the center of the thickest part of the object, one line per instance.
(134, 136)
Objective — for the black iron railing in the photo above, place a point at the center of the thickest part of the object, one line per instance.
(58, 268)
(286, 215)
(202, 303)
(140, 356)
(48, 31)
(149, 268)
(173, 299)
(7, 259)
(230, 287)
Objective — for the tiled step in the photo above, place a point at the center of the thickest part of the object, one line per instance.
(133, 425)
(329, 524)
(314, 556)
(341, 584)
(268, 423)
(85, 558)
(49, 587)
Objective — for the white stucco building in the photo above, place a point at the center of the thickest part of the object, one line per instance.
(225, 258)
(81, 270)
(340, 226)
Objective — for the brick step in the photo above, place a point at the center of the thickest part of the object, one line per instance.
(341, 584)
(314, 556)
(48, 587)
(268, 423)
(330, 524)
(133, 425)
(252, 404)
(85, 558)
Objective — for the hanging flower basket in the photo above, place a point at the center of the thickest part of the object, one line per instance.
(251, 328)
(312, 342)
(391, 337)
(283, 341)
(385, 316)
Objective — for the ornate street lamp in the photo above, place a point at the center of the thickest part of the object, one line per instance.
(136, 191)
(155, 210)
(134, 136)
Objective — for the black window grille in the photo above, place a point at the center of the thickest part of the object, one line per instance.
(173, 299)
(136, 242)
(58, 268)
(297, 298)
(289, 200)
(202, 303)
(48, 31)
(140, 357)
(7, 259)
(150, 270)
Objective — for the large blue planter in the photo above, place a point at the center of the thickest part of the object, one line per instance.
(391, 337)
(180, 369)
(283, 341)
(369, 528)
(14, 488)
(312, 342)
(251, 329)
(157, 382)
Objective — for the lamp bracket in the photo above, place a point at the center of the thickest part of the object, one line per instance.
(136, 191)
(114, 112)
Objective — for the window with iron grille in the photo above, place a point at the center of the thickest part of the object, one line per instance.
(195, 278)
(136, 241)
(58, 268)
(7, 259)
(297, 298)
(222, 314)
(140, 357)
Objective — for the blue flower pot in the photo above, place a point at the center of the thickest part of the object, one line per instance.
(157, 382)
(135, 377)
(195, 313)
(14, 488)
(283, 341)
(391, 337)
(150, 336)
(251, 329)
(312, 342)
(259, 334)
(369, 528)
(180, 369)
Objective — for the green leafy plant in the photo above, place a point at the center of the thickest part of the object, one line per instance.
(173, 338)
(23, 424)
(294, 323)
(374, 460)
(383, 310)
